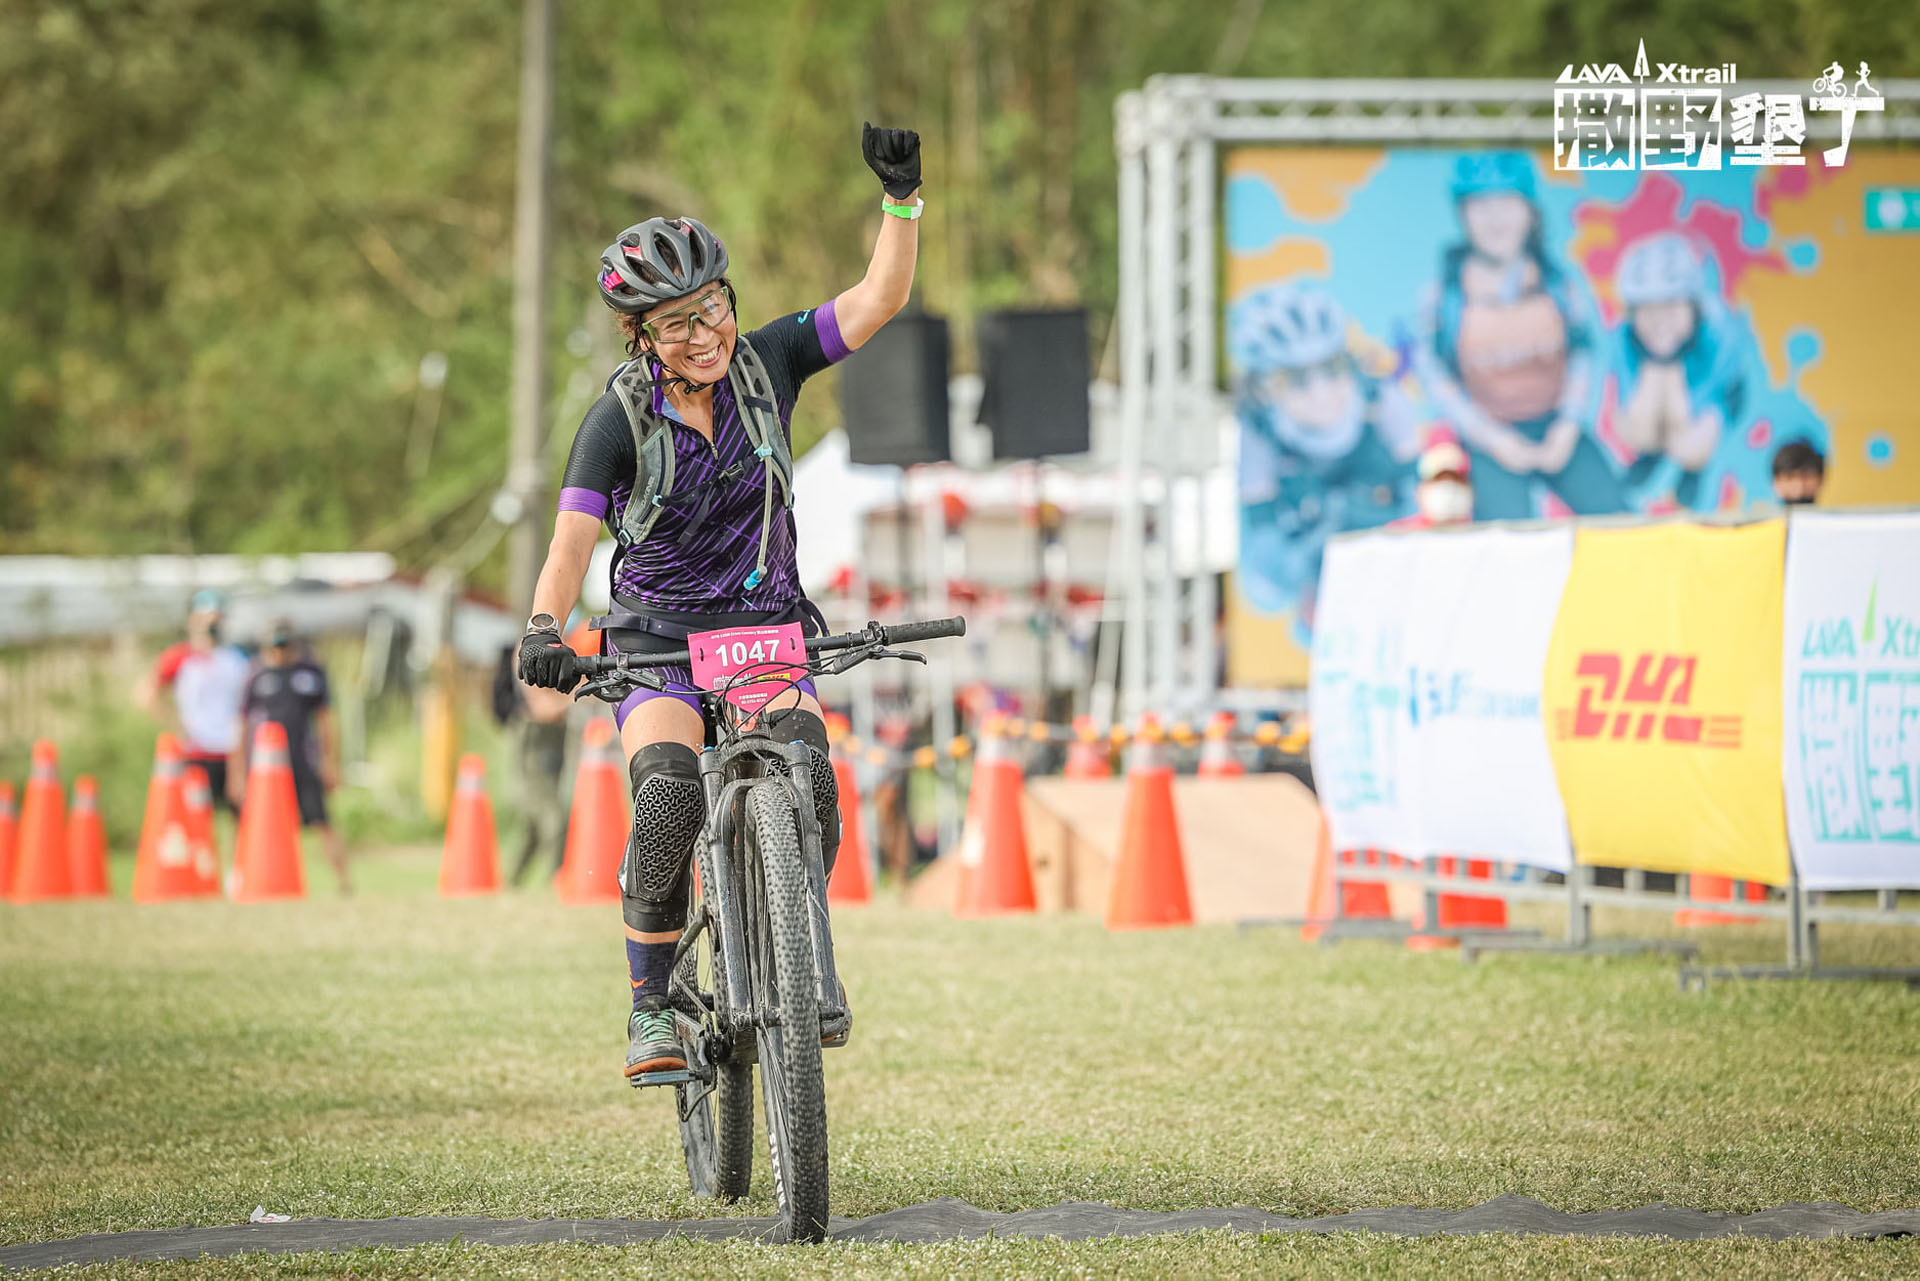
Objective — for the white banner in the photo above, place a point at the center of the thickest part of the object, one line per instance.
(1429, 654)
(1357, 692)
(1851, 694)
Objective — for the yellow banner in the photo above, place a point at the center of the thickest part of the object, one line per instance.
(1663, 699)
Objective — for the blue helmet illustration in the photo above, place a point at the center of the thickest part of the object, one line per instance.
(1483, 173)
(1289, 326)
(1660, 268)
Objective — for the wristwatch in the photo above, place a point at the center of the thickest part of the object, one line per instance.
(543, 623)
(909, 212)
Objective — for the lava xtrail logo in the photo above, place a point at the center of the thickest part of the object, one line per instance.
(1669, 115)
(1656, 694)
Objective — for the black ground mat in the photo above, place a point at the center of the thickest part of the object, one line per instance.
(948, 1219)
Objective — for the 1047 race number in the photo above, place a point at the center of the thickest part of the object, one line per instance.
(749, 666)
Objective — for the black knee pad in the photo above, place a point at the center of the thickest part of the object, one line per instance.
(669, 807)
(797, 725)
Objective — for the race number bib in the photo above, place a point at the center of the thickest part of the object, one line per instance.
(749, 666)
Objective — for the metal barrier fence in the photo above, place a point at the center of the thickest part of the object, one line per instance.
(1802, 911)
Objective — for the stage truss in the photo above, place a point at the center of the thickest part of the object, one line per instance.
(1168, 137)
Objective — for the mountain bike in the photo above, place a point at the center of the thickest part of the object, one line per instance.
(754, 978)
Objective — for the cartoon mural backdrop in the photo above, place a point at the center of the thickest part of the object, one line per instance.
(1597, 342)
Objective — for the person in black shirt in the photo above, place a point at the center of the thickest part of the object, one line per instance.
(290, 690)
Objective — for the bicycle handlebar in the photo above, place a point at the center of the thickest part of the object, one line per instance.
(874, 634)
(932, 629)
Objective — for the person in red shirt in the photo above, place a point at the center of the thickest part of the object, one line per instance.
(1445, 495)
(208, 680)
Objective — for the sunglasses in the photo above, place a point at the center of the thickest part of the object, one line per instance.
(710, 309)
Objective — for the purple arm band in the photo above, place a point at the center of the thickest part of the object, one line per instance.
(827, 325)
(591, 502)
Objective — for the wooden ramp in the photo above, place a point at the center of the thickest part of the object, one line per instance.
(1248, 842)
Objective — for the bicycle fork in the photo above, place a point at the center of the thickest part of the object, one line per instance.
(724, 894)
(800, 773)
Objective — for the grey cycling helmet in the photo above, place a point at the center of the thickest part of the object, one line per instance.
(657, 260)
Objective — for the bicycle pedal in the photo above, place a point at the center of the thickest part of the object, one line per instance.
(673, 1076)
(836, 1025)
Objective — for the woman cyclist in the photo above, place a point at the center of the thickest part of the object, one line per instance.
(686, 459)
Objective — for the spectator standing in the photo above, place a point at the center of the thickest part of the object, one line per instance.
(1445, 495)
(290, 690)
(1799, 471)
(540, 720)
(208, 680)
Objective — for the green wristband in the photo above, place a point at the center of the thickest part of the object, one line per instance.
(909, 212)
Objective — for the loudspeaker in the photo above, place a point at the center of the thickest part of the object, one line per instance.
(893, 393)
(1033, 363)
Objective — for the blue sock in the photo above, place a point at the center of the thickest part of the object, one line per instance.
(649, 965)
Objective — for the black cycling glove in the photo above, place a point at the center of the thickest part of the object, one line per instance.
(546, 661)
(894, 154)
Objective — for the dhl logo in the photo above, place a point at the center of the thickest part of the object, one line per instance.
(1658, 691)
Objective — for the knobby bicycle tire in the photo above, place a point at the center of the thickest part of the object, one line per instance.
(790, 1072)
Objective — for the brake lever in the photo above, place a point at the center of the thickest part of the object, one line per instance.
(906, 655)
(854, 657)
(604, 688)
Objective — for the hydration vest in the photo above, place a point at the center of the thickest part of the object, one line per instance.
(653, 453)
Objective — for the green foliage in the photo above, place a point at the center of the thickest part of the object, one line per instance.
(229, 232)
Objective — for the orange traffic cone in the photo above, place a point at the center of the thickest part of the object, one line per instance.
(163, 865)
(1470, 911)
(995, 876)
(267, 863)
(1150, 878)
(470, 860)
(203, 849)
(1703, 887)
(597, 830)
(1087, 754)
(1364, 900)
(851, 882)
(41, 869)
(87, 841)
(1320, 890)
(9, 836)
(973, 839)
(1357, 901)
(1216, 755)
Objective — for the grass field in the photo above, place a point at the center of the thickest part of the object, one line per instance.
(395, 1054)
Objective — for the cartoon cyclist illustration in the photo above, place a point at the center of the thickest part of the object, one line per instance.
(1508, 358)
(1327, 446)
(1682, 376)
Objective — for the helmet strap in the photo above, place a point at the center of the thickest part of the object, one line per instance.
(674, 382)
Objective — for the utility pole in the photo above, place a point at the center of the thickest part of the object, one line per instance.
(527, 440)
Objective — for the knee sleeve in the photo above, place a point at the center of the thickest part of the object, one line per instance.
(668, 810)
(803, 726)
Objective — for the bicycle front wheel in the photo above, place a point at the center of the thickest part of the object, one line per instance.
(786, 989)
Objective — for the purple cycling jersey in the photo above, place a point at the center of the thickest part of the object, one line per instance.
(707, 538)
